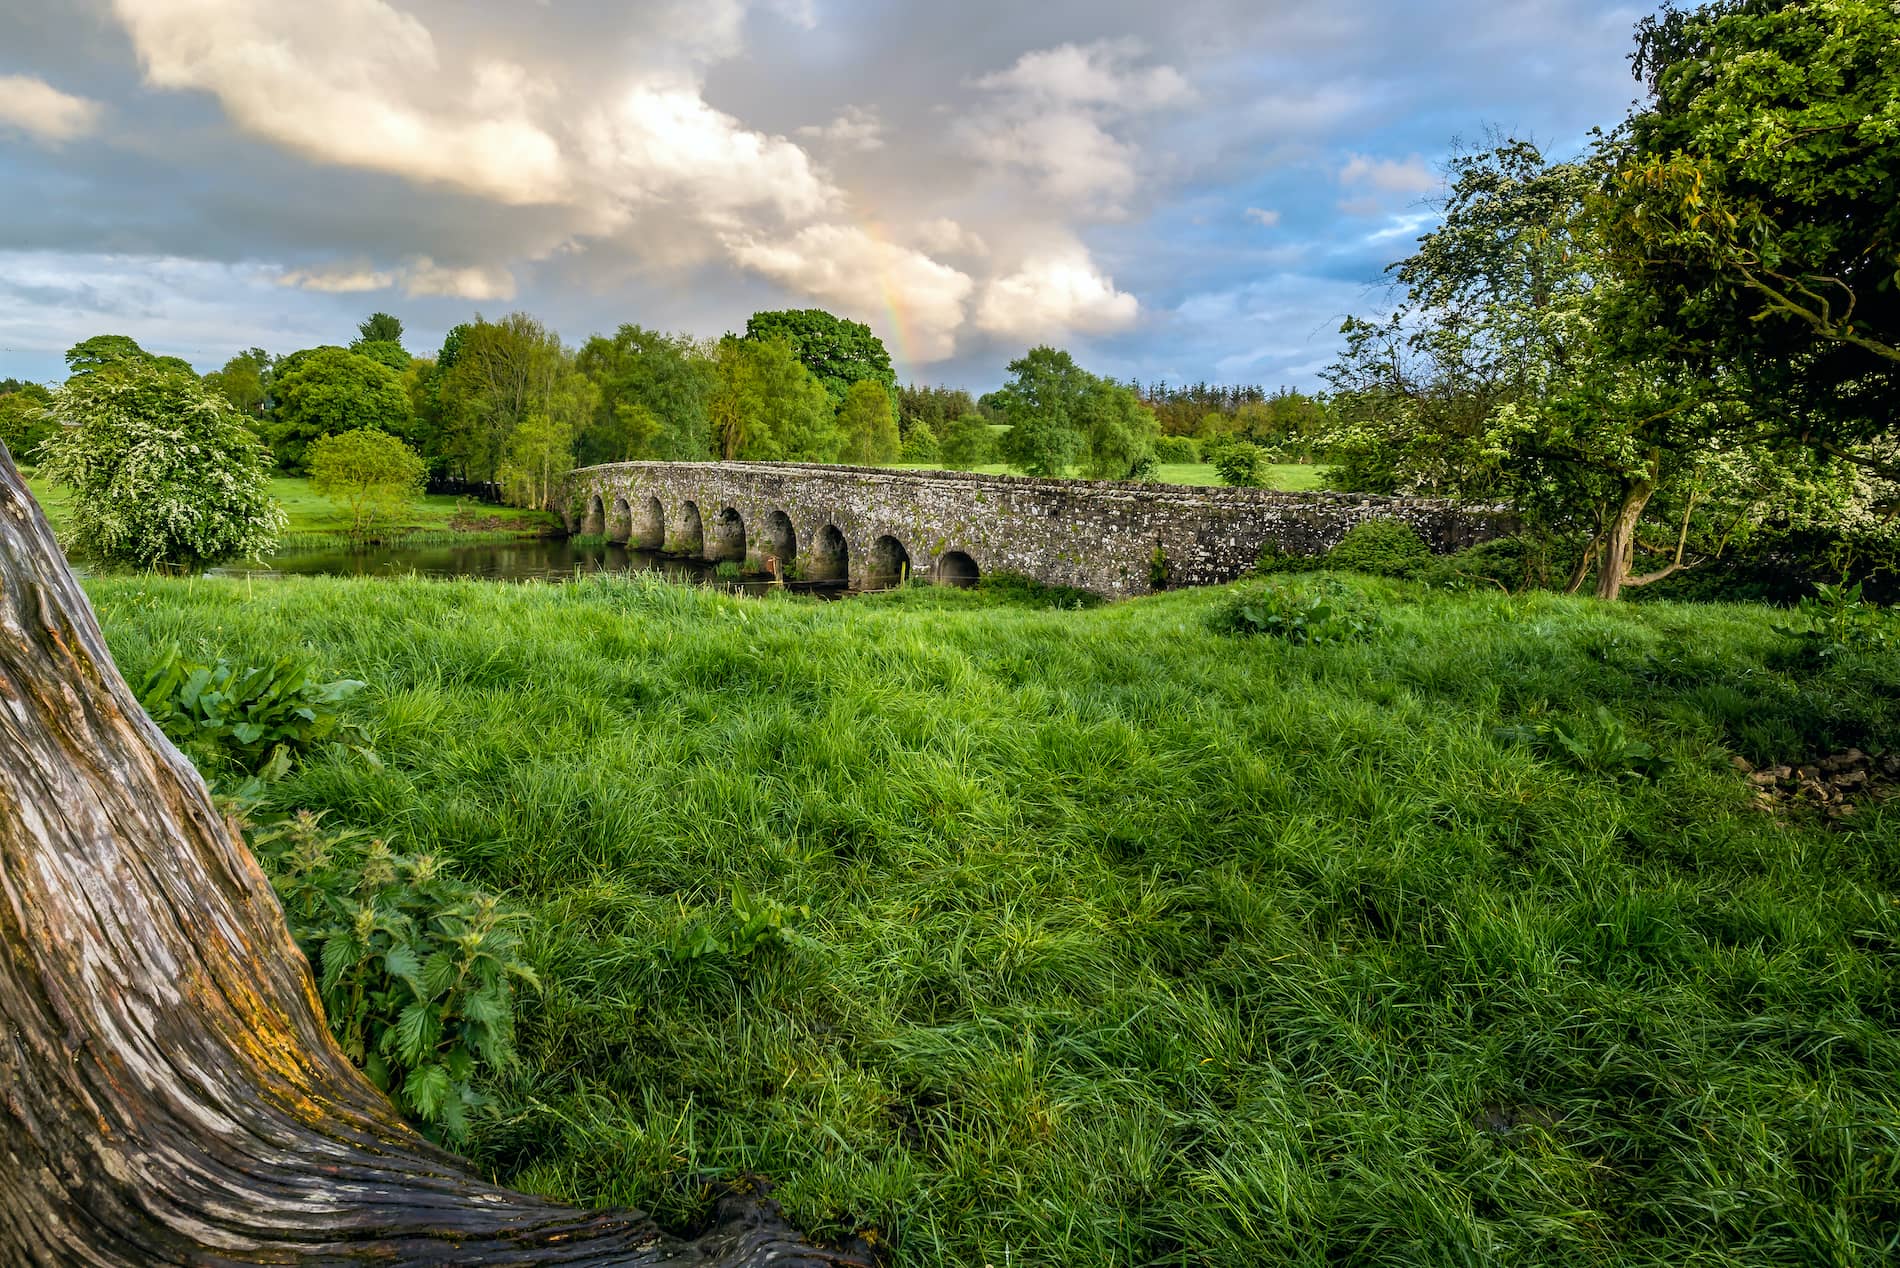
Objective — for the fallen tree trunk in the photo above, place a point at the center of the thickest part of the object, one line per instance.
(169, 1093)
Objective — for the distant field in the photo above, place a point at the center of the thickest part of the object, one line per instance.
(1290, 477)
(312, 513)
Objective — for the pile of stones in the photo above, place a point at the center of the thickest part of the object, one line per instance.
(1836, 784)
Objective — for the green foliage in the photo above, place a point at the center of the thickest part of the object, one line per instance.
(258, 718)
(767, 407)
(379, 328)
(495, 376)
(1042, 402)
(383, 352)
(117, 352)
(326, 391)
(1836, 621)
(1381, 547)
(26, 420)
(920, 445)
(1241, 464)
(966, 442)
(1752, 197)
(1603, 745)
(1118, 432)
(932, 407)
(838, 352)
(1016, 589)
(539, 456)
(416, 968)
(371, 473)
(245, 381)
(654, 394)
(756, 923)
(867, 425)
(162, 471)
(1177, 449)
(1314, 617)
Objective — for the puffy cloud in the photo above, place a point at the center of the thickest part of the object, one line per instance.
(1052, 112)
(856, 129)
(35, 107)
(418, 276)
(1378, 181)
(1053, 294)
(1265, 217)
(946, 237)
(661, 142)
(341, 82)
(871, 279)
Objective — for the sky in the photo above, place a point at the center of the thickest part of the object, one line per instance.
(1191, 190)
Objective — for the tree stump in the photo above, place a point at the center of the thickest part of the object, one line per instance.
(169, 1093)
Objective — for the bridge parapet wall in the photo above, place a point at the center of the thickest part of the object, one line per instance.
(1095, 535)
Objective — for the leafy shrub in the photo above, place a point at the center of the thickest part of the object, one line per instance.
(162, 469)
(1603, 746)
(1836, 621)
(371, 473)
(1317, 618)
(1382, 548)
(1275, 560)
(1510, 563)
(920, 445)
(1016, 589)
(756, 923)
(417, 969)
(1241, 465)
(255, 718)
(967, 442)
(1177, 450)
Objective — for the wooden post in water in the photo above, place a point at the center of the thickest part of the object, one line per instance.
(169, 1093)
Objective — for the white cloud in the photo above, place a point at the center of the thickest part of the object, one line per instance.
(661, 142)
(35, 107)
(343, 82)
(1051, 115)
(1095, 74)
(858, 128)
(871, 279)
(1388, 176)
(947, 237)
(1265, 217)
(1057, 293)
(417, 276)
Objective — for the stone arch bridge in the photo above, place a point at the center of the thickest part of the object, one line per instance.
(871, 526)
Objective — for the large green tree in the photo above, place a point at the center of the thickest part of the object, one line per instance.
(325, 391)
(1118, 432)
(1520, 364)
(500, 373)
(837, 351)
(767, 407)
(867, 425)
(110, 352)
(654, 391)
(1042, 402)
(245, 381)
(162, 469)
(26, 420)
(1754, 199)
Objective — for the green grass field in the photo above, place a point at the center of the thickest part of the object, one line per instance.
(1132, 943)
(312, 515)
(1289, 477)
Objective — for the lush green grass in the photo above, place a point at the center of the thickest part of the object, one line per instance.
(1289, 477)
(1133, 943)
(313, 515)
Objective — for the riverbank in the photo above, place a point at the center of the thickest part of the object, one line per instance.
(1112, 939)
(317, 523)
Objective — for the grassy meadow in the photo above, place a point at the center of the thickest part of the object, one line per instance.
(1109, 939)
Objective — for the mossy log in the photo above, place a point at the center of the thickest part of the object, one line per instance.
(169, 1093)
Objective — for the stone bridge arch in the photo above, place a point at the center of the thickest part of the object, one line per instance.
(1115, 538)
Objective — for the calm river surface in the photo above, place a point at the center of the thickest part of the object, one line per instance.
(535, 559)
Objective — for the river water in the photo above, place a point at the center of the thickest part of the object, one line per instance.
(530, 559)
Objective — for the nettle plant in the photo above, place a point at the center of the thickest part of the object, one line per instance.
(257, 718)
(1836, 621)
(1316, 617)
(417, 969)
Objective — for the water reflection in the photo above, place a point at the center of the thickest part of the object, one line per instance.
(536, 559)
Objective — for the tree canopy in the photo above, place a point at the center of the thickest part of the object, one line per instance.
(162, 470)
(370, 473)
(867, 425)
(837, 351)
(654, 391)
(325, 391)
(1042, 400)
(767, 407)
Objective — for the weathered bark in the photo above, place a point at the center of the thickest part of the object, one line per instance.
(1619, 538)
(169, 1093)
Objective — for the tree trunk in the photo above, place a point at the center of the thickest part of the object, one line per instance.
(169, 1093)
(1619, 538)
